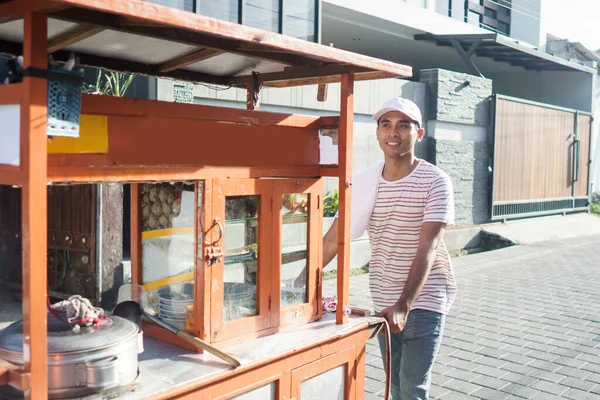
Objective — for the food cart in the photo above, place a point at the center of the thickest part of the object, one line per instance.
(214, 193)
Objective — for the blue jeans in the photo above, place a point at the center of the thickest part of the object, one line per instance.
(413, 353)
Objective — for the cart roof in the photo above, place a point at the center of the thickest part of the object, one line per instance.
(151, 39)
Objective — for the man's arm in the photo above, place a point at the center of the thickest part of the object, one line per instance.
(429, 239)
(330, 243)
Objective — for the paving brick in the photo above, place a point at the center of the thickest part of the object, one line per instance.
(437, 391)
(518, 368)
(491, 361)
(490, 382)
(376, 374)
(570, 362)
(576, 394)
(578, 384)
(519, 390)
(466, 355)
(541, 355)
(573, 372)
(461, 386)
(549, 387)
(462, 364)
(592, 367)
(490, 394)
(461, 374)
(545, 365)
(593, 378)
(369, 396)
(517, 358)
(547, 376)
(491, 371)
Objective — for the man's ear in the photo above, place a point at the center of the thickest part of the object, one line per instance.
(420, 134)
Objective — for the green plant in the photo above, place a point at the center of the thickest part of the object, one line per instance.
(595, 206)
(110, 83)
(330, 203)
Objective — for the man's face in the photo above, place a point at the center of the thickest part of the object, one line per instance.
(397, 134)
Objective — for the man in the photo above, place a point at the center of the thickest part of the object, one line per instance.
(404, 204)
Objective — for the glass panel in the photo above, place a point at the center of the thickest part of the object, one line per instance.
(327, 386)
(221, 9)
(299, 19)
(488, 12)
(241, 256)
(266, 392)
(168, 250)
(294, 249)
(263, 14)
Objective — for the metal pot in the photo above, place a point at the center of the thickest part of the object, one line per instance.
(94, 359)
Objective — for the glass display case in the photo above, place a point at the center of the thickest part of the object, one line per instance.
(256, 242)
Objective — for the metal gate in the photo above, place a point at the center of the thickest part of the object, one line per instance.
(541, 159)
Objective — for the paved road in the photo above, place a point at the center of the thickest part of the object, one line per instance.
(525, 324)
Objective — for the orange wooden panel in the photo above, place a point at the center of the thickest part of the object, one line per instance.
(10, 175)
(11, 94)
(107, 105)
(220, 330)
(34, 201)
(345, 193)
(310, 311)
(16, 9)
(161, 141)
(316, 368)
(66, 173)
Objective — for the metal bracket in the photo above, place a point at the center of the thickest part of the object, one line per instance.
(466, 55)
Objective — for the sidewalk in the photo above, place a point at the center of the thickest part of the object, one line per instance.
(525, 324)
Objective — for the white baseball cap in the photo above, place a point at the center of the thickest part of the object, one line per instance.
(405, 106)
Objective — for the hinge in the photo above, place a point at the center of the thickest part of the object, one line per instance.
(272, 200)
(269, 302)
(318, 202)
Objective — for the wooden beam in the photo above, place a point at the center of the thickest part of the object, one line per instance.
(81, 174)
(72, 36)
(188, 59)
(313, 76)
(10, 175)
(34, 205)
(329, 170)
(345, 196)
(106, 105)
(16, 9)
(135, 239)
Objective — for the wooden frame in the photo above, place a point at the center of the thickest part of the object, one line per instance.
(342, 358)
(221, 330)
(310, 310)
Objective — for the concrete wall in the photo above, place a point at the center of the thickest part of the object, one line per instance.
(595, 168)
(561, 88)
(458, 113)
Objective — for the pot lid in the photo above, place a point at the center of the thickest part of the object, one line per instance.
(62, 339)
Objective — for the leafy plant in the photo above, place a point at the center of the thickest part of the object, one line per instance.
(595, 206)
(330, 203)
(110, 83)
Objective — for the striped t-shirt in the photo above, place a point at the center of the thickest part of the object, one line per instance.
(400, 209)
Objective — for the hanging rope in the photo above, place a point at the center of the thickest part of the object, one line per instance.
(80, 312)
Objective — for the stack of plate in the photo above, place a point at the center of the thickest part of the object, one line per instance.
(172, 306)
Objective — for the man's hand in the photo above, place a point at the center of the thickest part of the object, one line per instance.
(396, 316)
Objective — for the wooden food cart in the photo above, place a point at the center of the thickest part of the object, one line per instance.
(220, 186)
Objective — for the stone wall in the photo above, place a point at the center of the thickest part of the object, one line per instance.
(466, 162)
(457, 97)
(459, 116)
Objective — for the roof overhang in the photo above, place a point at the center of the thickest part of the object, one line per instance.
(139, 37)
(503, 49)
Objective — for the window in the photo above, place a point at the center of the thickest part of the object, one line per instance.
(504, 28)
(490, 13)
(299, 19)
(227, 10)
(263, 14)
